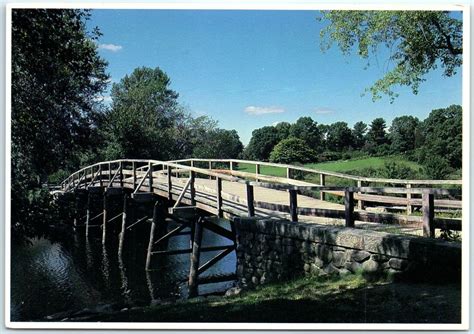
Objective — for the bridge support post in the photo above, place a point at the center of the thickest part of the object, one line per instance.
(104, 219)
(152, 236)
(88, 213)
(428, 214)
(322, 182)
(349, 207)
(124, 222)
(195, 255)
(134, 168)
(409, 207)
(121, 173)
(192, 189)
(150, 177)
(250, 200)
(294, 205)
(170, 185)
(210, 169)
(219, 196)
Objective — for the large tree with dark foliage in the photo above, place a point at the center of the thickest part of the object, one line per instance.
(142, 119)
(57, 76)
(307, 130)
(442, 131)
(403, 134)
(262, 143)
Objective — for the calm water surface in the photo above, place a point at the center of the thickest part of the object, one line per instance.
(74, 272)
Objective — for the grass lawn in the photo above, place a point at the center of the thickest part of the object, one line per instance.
(352, 165)
(315, 300)
(341, 166)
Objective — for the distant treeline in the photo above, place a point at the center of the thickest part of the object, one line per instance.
(435, 142)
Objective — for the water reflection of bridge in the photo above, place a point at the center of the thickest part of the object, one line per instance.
(189, 192)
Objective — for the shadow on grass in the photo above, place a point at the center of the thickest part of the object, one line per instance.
(388, 303)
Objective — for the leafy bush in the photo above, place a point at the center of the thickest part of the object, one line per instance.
(436, 167)
(292, 150)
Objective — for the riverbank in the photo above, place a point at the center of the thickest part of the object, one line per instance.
(350, 299)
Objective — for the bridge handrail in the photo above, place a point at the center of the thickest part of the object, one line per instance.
(175, 164)
(328, 173)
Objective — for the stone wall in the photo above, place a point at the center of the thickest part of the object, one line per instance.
(273, 250)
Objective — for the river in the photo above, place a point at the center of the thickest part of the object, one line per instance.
(71, 272)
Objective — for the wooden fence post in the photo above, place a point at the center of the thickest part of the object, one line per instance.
(322, 182)
(170, 185)
(257, 171)
(192, 189)
(150, 177)
(219, 196)
(231, 166)
(110, 170)
(134, 167)
(294, 205)
(409, 207)
(195, 255)
(288, 173)
(360, 203)
(121, 174)
(250, 199)
(100, 176)
(349, 207)
(210, 169)
(428, 214)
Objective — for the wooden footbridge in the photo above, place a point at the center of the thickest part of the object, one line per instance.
(190, 191)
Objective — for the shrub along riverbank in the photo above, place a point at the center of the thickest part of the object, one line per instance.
(348, 299)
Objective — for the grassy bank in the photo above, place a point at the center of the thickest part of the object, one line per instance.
(338, 300)
(351, 166)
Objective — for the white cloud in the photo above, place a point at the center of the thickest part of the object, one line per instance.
(110, 47)
(253, 110)
(323, 110)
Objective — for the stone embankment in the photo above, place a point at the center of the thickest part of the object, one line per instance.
(272, 250)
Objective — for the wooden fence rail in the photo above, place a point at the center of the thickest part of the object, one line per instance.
(127, 172)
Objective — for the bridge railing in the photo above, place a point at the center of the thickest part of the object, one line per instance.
(323, 178)
(141, 173)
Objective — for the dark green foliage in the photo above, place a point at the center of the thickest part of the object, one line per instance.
(142, 117)
(283, 129)
(403, 134)
(57, 76)
(417, 42)
(442, 132)
(339, 137)
(219, 144)
(292, 150)
(262, 142)
(307, 130)
(436, 167)
(376, 137)
(358, 134)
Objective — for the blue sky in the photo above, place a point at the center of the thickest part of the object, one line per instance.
(248, 69)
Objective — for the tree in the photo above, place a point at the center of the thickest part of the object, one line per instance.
(57, 76)
(307, 130)
(418, 42)
(377, 136)
(143, 116)
(358, 133)
(262, 142)
(339, 137)
(219, 144)
(283, 129)
(292, 150)
(442, 131)
(403, 132)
